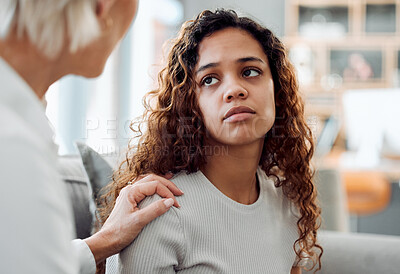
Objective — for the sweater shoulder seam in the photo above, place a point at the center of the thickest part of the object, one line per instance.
(185, 248)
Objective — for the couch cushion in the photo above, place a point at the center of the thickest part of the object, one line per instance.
(99, 171)
(72, 173)
(332, 200)
(359, 253)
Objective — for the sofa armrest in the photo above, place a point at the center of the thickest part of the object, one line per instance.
(359, 253)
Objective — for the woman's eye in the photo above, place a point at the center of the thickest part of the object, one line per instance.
(209, 81)
(251, 73)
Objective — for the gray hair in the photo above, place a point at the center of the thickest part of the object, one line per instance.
(48, 22)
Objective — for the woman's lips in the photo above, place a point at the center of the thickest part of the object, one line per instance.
(239, 113)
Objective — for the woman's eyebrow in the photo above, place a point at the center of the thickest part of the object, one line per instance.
(249, 59)
(210, 65)
(240, 60)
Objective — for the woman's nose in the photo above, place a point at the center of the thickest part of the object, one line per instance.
(235, 91)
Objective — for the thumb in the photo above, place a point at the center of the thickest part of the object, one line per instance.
(152, 211)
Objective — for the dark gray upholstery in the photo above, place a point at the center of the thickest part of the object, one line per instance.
(84, 175)
(72, 173)
(98, 170)
(359, 253)
(332, 200)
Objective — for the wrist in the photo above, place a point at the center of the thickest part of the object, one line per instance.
(102, 245)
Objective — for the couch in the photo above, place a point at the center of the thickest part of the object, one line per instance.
(344, 253)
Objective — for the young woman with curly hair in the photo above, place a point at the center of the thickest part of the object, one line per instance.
(227, 120)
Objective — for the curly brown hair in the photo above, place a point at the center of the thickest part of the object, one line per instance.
(175, 134)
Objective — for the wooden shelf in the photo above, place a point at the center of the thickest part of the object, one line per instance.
(334, 56)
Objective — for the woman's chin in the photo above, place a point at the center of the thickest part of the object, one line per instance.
(92, 72)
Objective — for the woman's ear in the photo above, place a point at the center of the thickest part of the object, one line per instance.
(103, 7)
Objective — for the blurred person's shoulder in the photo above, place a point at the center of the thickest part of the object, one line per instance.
(16, 130)
(12, 125)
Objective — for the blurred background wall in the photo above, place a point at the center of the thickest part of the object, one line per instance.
(270, 13)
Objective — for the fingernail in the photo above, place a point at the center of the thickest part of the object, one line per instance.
(169, 202)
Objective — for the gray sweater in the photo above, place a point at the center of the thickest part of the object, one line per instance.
(211, 233)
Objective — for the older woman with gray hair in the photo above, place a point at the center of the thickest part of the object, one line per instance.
(40, 42)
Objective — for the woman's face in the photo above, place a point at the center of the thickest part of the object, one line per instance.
(235, 88)
(90, 61)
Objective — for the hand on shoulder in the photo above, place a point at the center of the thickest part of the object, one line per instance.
(127, 220)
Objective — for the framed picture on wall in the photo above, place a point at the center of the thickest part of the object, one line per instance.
(357, 65)
(380, 18)
(323, 22)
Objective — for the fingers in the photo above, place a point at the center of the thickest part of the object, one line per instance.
(139, 191)
(163, 180)
(152, 211)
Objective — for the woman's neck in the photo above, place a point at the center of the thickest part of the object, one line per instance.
(38, 71)
(232, 169)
